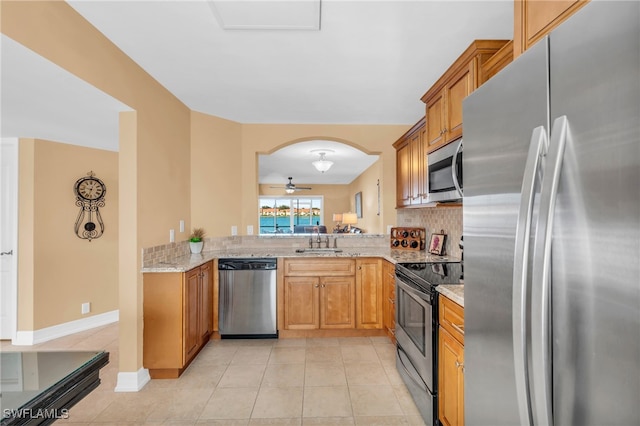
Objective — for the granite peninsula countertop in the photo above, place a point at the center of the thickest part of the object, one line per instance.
(454, 292)
(186, 263)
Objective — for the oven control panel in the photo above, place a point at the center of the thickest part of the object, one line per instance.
(408, 238)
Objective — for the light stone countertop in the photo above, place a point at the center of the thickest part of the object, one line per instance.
(186, 263)
(454, 292)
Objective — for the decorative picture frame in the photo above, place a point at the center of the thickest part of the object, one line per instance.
(359, 204)
(437, 244)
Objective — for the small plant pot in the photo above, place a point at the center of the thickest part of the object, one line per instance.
(196, 247)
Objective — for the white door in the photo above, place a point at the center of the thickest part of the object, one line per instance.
(8, 237)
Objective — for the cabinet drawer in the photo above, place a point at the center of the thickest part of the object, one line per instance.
(319, 267)
(451, 317)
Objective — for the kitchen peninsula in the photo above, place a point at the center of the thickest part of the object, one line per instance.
(181, 292)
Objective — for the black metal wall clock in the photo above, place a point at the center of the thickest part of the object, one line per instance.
(90, 192)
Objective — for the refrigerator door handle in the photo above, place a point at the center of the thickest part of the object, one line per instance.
(541, 356)
(537, 150)
(454, 169)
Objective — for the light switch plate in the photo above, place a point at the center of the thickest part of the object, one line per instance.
(249, 229)
(172, 235)
(182, 226)
(234, 230)
(86, 308)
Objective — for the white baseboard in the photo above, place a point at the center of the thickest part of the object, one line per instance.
(28, 338)
(132, 382)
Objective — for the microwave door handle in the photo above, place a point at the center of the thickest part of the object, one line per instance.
(537, 150)
(454, 169)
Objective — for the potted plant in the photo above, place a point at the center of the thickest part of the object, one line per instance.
(195, 240)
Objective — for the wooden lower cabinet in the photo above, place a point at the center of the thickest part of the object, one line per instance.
(369, 295)
(333, 294)
(178, 319)
(450, 363)
(313, 302)
(389, 299)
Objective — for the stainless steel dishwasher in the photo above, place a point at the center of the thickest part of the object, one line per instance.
(247, 298)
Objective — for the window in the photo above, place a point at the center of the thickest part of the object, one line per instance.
(280, 215)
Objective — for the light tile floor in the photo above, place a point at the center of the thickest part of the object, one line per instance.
(327, 381)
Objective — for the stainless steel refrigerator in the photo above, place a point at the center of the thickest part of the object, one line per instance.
(552, 229)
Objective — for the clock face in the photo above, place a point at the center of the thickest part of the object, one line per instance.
(90, 189)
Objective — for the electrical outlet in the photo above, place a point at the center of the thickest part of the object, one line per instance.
(249, 229)
(86, 308)
(172, 235)
(234, 230)
(182, 226)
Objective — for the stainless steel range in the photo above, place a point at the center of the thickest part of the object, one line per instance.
(416, 329)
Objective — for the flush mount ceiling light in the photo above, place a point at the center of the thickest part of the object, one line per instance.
(322, 165)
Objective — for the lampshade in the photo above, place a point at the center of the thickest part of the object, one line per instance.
(349, 218)
(322, 165)
(337, 217)
(289, 190)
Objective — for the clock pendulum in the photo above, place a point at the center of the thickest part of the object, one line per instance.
(90, 192)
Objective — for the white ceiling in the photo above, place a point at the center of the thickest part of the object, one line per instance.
(42, 100)
(369, 62)
(295, 161)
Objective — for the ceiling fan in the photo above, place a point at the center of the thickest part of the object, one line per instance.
(291, 187)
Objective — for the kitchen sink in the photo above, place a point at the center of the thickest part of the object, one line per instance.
(319, 250)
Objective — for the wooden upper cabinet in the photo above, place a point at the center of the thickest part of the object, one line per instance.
(444, 99)
(435, 117)
(534, 19)
(403, 176)
(411, 166)
(498, 61)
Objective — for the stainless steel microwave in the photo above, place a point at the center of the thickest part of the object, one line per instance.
(445, 173)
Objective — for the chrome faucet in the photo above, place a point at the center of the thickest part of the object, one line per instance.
(317, 229)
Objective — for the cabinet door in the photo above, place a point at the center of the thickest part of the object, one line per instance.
(415, 145)
(206, 301)
(403, 182)
(337, 304)
(450, 380)
(368, 293)
(301, 303)
(191, 313)
(435, 122)
(535, 19)
(460, 86)
(424, 168)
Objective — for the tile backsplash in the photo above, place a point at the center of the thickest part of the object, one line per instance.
(434, 219)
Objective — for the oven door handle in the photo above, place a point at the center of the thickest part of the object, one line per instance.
(412, 291)
(420, 383)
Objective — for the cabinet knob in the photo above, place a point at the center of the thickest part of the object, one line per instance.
(317, 285)
(323, 285)
(458, 365)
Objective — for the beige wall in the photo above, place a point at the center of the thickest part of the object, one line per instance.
(367, 183)
(154, 152)
(59, 271)
(267, 138)
(227, 152)
(216, 174)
